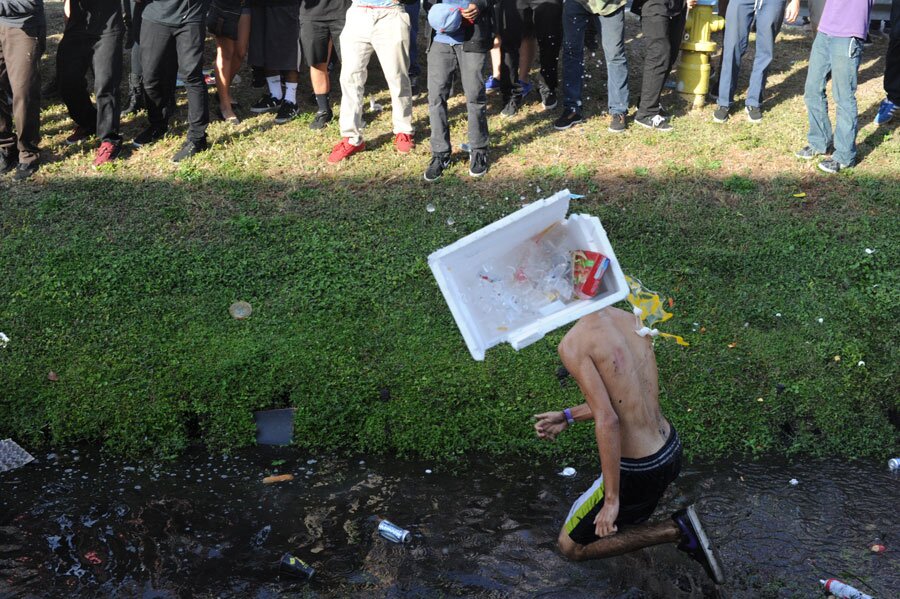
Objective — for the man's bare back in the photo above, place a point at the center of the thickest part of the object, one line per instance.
(627, 365)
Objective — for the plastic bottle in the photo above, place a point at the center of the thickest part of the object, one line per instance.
(894, 464)
(843, 590)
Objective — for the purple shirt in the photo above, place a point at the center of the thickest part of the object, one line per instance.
(846, 18)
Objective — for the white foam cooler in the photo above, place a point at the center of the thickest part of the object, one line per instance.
(456, 265)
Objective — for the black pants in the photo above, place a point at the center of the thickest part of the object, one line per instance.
(542, 19)
(157, 41)
(662, 39)
(92, 40)
(509, 26)
(892, 64)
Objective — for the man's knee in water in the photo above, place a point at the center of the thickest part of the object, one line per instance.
(568, 547)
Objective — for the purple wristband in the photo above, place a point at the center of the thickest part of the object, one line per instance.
(569, 417)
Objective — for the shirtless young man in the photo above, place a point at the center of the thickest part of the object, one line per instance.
(640, 453)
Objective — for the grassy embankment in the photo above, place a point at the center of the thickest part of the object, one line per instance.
(120, 281)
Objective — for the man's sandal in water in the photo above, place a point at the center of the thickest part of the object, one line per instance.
(695, 543)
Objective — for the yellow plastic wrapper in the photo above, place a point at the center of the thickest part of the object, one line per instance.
(651, 309)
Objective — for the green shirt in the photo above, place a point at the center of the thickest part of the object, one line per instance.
(603, 8)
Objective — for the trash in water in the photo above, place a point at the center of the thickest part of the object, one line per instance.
(92, 557)
(794, 482)
(567, 471)
(278, 478)
(429, 207)
(296, 567)
(393, 533)
(894, 463)
(12, 456)
(274, 427)
(428, 471)
(260, 537)
(843, 590)
(877, 548)
(240, 310)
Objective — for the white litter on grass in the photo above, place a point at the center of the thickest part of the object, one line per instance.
(429, 207)
(861, 363)
(778, 315)
(821, 320)
(450, 221)
(12, 456)
(427, 471)
(794, 482)
(870, 251)
(567, 471)
(4, 340)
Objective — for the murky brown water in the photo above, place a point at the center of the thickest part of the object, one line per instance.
(81, 525)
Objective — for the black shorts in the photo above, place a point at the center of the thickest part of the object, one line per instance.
(314, 36)
(222, 18)
(641, 485)
(275, 37)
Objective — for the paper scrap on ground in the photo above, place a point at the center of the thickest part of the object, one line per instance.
(12, 456)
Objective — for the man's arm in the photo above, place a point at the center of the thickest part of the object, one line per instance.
(549, 424)
(606, 429)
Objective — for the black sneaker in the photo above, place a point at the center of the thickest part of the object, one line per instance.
(267, 103)
(696, 544)
(548, 98)
(322, 119)
(721, 114)
(656, 122)
(8, 161)
(512, 105)
(617, 123)
(568, 118)
(149, 135)
(754, 114)
(478, 163)
(832, 166)
(436, 167)
(807, 153)
(288, 111)
(24, 170)
(190, 148)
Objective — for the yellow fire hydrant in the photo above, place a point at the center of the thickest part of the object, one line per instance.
(692, 74)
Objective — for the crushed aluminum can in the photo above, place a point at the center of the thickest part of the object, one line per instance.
(894, 464)
(393, 533)
(294, 566)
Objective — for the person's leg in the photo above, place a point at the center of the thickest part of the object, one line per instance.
(769, 18)
(655, 28)
(820, 134)
(107, 82)
(510, 41)
(156, 42)
(626, 540)
(845, 58)
(189, 45)
(441, 66)
(225, 50)
(575, 18)
(471, 68)
(548, 32)
(528, 44)
(892, 62)
(73, 59)
(8, 151)
(676, 35)
(496, 58)
(390, 40)
(612, 29)
(21, 55)
(413, 9)
(738, 17)
(356, 49)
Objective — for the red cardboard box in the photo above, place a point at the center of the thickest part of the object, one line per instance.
(587, 270)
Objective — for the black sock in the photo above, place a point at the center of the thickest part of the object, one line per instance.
(322, 102)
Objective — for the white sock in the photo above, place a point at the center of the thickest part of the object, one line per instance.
(275, 86)
(290, 92)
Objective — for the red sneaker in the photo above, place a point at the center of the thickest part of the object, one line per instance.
(345, 149)
(404, 143)
(107, 152)
(78, 135)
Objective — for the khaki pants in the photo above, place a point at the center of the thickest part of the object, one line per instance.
(20, 55)
(386, 32)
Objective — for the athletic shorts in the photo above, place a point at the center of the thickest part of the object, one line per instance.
(275, 37)
(532, 10)
(642, 483)
(314, 36)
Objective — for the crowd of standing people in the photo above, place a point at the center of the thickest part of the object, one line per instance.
(167, 39)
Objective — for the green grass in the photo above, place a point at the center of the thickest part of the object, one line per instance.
(120, 282)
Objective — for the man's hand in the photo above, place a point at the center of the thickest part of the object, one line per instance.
(691, 3)
(470, 12)
(792, 11)
(605, 522)
(550, 424)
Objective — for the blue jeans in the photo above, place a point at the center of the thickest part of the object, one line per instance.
(612, 31)
(738, 18)
(413, 11)
(839, 56)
